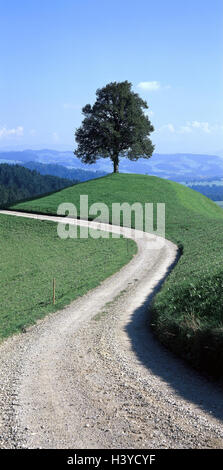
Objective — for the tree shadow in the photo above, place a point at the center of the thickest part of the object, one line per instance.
(188, 383)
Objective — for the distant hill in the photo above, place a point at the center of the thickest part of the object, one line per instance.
(176, 167)
(18, 183)
(214, 191)
(64, 172)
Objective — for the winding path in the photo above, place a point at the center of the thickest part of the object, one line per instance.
(93, 376)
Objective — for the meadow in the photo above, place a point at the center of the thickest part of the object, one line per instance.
(32, 255)
(187, 313)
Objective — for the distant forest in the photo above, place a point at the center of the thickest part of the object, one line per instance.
(18, 183)
(214, 192)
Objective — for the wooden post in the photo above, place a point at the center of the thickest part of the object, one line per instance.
(54, 287)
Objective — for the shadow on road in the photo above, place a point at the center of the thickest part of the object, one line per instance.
(187, 383)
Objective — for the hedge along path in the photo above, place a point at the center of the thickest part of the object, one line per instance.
(45, 370)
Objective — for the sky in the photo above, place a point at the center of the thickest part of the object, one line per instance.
(55, 54)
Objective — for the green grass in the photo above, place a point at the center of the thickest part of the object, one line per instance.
(187, 312)
(32, 255)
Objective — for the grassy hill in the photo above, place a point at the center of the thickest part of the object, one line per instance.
(187, 312)
(32, 255)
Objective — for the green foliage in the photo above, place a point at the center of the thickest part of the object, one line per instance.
(32, 255)
(114, 126)
(17, 183)
(188, 311)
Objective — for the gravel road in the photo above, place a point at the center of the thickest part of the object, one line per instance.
(93, 375)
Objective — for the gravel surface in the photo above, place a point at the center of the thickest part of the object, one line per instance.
(93, 375)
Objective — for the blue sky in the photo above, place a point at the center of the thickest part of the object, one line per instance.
(56, 53)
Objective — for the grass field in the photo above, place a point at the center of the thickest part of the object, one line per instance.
(32, 255)
(187, 312)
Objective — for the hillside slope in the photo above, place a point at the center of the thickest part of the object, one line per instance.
(187, 313)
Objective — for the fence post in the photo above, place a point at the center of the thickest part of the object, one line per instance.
(54, 288)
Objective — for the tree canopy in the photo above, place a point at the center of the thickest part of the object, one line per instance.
(115, 126)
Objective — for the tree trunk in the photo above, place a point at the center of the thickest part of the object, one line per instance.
(115, 162)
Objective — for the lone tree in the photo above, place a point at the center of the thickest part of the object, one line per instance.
(115, 126)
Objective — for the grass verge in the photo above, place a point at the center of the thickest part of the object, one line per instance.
(32, 255)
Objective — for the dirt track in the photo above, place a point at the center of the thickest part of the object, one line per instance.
(93, 376)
